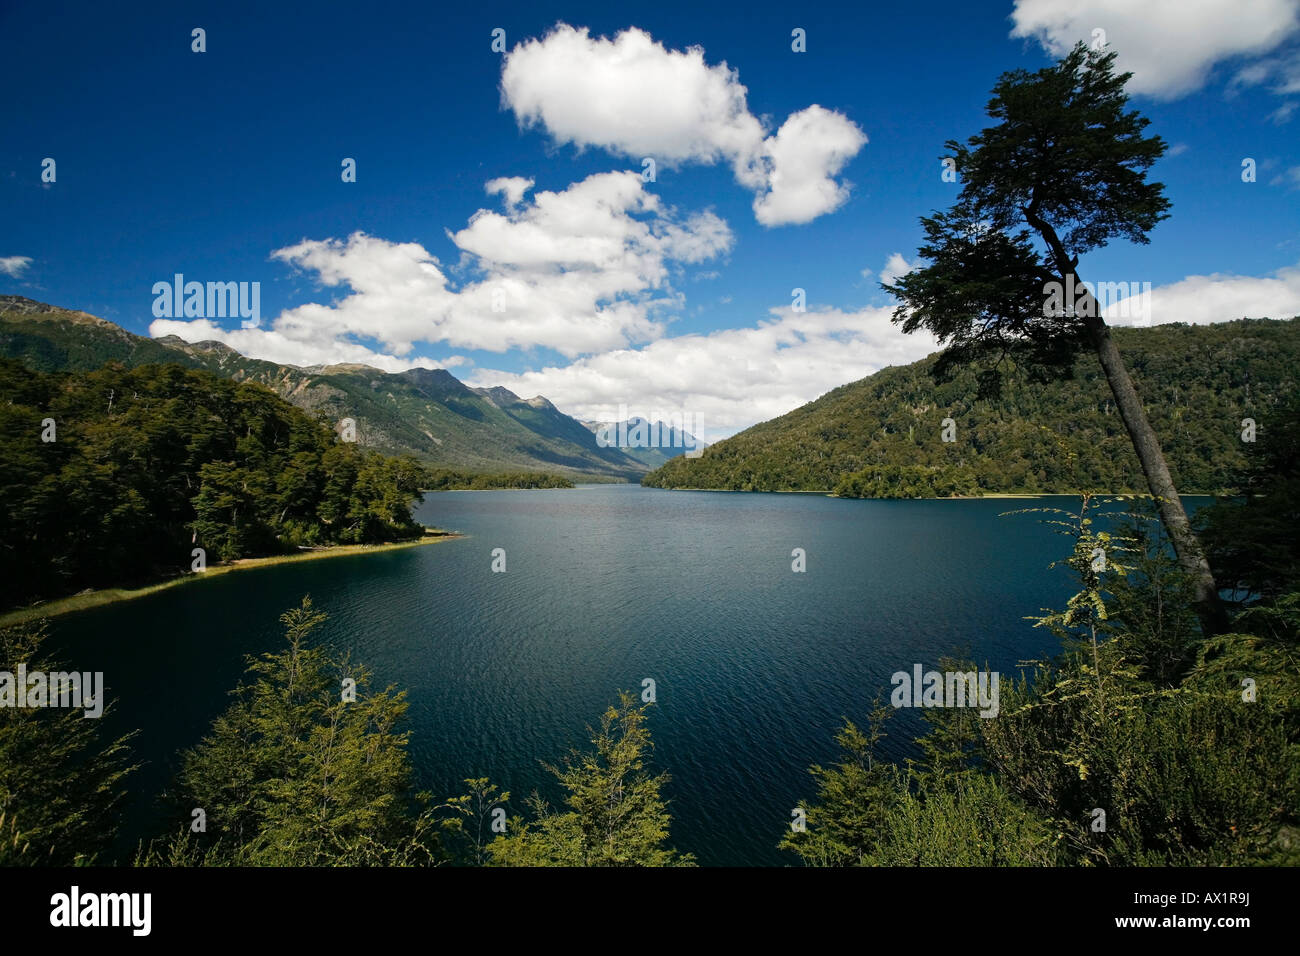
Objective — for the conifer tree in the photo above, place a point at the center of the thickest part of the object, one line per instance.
(1064, 167)
(61, 782)
(616, 815)
(305, 768)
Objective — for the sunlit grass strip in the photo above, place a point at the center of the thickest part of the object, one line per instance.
(88, 599)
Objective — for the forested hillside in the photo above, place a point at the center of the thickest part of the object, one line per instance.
(113, 477)
(426, 413)
(1198, 383)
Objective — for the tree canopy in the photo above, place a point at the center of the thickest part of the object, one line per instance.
(114, 476)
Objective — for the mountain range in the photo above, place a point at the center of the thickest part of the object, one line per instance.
(1201, 385)
(427, 413)
(651, 443)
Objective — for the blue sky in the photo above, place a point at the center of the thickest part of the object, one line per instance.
(673, 295)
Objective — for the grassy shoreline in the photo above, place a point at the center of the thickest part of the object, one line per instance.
(98, 598)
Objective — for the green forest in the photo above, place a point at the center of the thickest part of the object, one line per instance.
(1198, 383)
(448, 479)
(425, 413)
(908, 481)
(116, 476)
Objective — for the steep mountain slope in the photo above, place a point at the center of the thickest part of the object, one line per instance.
(1198, 384)
(427, 413)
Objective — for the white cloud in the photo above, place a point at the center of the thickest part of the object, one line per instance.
(728, 379)
(291, 347)
(806, 153)
(512, 188)
(633, 97)
(1219, 297)
(1282, 72)
(1170, 46)
(733, 378)
(14, 265)
(896, 267)
(582, 270)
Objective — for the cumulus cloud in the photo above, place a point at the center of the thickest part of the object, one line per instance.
(806, 153)
(895, 268)
(728, 379)
(291, 347)
(1170, 46)
(14, 265)
(633, 97)
(733, 378)
(511, 188)
(581, 270)
(1218, 297)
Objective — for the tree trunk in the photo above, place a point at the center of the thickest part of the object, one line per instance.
(1209, 609)
(1190, 556)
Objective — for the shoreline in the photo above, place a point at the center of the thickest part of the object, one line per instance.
(85, 600)
(996, 495)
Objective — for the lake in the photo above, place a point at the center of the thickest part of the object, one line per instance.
(755, 666)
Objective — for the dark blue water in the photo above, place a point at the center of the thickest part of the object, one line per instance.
(755, 666)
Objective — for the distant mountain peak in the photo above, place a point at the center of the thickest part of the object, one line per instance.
(207, 345)
(25, 306)
(21, 305)
(499, 395)
(343, 368)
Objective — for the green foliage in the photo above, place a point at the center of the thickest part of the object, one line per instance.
(615, 816)
(1065, 148)
(446, 479)
(1150, 611)
(1189, 746)
(151, 462)
(1166, 766)
(1251, 538)
(907, 481)
(61, 783)
(294, 774)
(470, 829)
(872, 813)
(1066, 164)
(1095, 555)
(1153, 727)
(966, 820)
(425, 413)
(1137, 727)
(845, 826)
(1198, 382)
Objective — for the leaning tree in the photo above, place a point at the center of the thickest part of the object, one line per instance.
(1063, 172)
